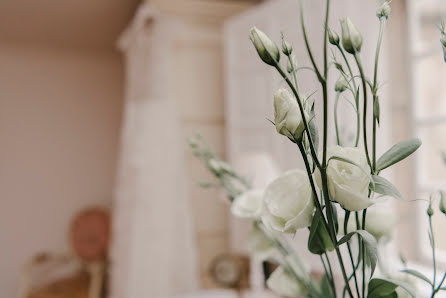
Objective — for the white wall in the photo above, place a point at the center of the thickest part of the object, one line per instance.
(60, 115)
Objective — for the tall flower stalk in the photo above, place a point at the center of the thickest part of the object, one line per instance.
(336, 179)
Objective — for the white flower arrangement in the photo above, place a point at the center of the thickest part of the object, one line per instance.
(340, 179)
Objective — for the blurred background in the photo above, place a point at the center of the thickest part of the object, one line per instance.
(99, 191)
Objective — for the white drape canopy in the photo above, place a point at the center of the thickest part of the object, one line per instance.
(153, 252)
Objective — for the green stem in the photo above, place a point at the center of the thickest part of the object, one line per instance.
(302, 111)
(324, 86)
(364, 282)
(327, 16)
(331, 273)
(338, 139)
(286, 251)
(375, 88)
(348, 66)
(358, 114)
(434, 261)
(364, 116)
(307, 44)
(332, 230)
(324, 152)
(440, 284)
(346, 218)
(328, 272)
(313, 187)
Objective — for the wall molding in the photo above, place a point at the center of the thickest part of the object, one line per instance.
(215, 11)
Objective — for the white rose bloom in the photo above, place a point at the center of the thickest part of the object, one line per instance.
(248, 204)
(287, 116)
(347, 184)
(288, 202)
(379, 222)
(282, 283)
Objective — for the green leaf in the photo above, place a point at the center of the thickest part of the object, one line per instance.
(357, 98)
(335, 217)
(379, 288)
(383, 186)
(377, 110)
(397, 153)
(418, 275)
(382, 287)
(326, 288)
(314, 132)
(370, 245)
(394, 294)
(319, 240)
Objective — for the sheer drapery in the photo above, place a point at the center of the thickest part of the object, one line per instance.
(153, 252)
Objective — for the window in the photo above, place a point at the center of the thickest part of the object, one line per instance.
(429, 106)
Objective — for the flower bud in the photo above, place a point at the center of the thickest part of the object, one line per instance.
(430, 211)
(384, 11)
(292, 64)
(266, 48)
(333, 37)
(287, 116)
(287, 49)
(341, 85)
(443, 202)
(351, 37)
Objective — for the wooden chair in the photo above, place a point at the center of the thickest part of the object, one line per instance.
(81, 274)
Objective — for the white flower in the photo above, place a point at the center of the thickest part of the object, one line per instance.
(248, 204)
(259, 245)
(266, 48)
(347, 183)
(282, 283)
(380, 223)
(351, 37)
(287, 116)
(288, 202)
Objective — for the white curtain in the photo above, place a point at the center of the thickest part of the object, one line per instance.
(153, 251)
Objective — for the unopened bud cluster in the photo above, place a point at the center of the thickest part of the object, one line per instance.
(384, 11)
